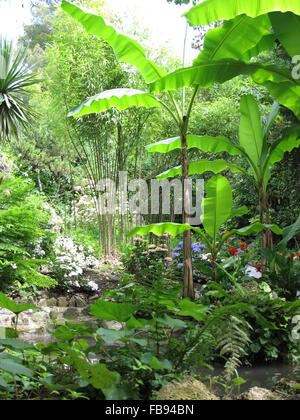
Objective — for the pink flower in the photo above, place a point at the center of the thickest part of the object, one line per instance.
(78, 188)
(168, 259)
(137, 239)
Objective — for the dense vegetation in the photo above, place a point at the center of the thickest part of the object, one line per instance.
(80, 106)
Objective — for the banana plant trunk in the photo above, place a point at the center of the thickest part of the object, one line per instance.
(266, 238)
(188, 282)
(269, 235)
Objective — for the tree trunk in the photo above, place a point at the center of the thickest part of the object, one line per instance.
(58, 187)
(39, 180)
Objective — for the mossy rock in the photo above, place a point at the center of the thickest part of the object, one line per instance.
(188, 389)
(287, 386)
(259, 394)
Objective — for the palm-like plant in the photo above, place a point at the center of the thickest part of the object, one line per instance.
(15, 79)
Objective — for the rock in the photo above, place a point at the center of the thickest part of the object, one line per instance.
(287, 386)
(51, 302)
(72, 314)
(86, 311)
(80, 301)
(53, 314)
(72, 302)
(113, 325)
(39, 318)
(62, 302)
(189, 389)
(42, 302)
(259, 394)
(93, 299)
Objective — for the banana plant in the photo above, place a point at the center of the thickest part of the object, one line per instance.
(282, 14)
(253, 146)
(217, 210)
(226, 55)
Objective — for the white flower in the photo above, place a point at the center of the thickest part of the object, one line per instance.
(14, 266)
(92, 285)
(253, 272)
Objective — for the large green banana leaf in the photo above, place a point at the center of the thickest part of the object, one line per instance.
(117, 98)
(279, 81)
(290, 140)
(254, 229)
(265, 44)
(165, 146)
(126, 49)
(217, 205)
(287, 29)
(204, 143)
(288, 233)
(271, 119)
(201, 166)
(210, 11)
(250, 132)
(176, 229)
(238, 212)
(234, 38)
(159, 229)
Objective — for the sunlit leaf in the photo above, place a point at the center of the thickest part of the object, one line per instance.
(279, 81)
(210, 11)
(287, 29)
(205, 143)
(111, 311)
(234, 38)
(202, 166)
(14, 307)
(250, 132)
(173, 229)
(115, 98)
(217, 204)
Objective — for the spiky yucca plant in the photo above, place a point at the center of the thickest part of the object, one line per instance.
(15, 79)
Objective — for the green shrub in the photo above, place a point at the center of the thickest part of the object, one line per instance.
(23, 222)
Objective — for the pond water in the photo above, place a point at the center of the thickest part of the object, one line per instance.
(263, 376)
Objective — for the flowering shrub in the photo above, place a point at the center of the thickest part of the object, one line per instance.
(145, 260)
(69, 261)
(200, 259)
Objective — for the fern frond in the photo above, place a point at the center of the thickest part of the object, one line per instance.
(232, 341)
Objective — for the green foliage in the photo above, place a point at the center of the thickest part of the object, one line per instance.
(115, 98)
(14, 83)
(232, 341)
(234, 39)
(127, 50)
(9, 304)
(212, 10)
(282, 86)
(23, 222)
(284, 273)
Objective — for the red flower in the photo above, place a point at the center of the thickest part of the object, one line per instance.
(233, 251)
(258, 267)
(243, 245)
(298, 255)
